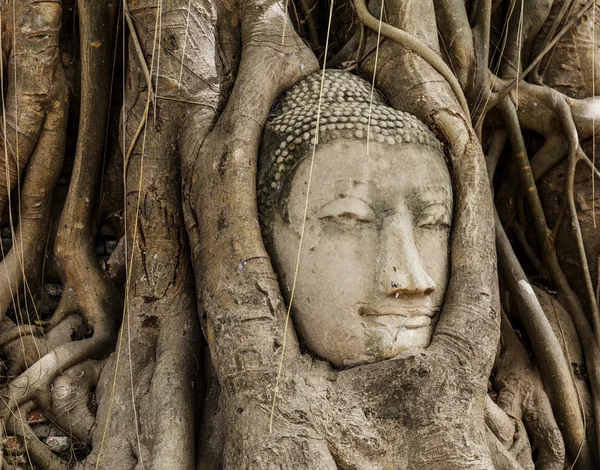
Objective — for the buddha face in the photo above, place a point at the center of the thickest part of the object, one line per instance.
(374, 261)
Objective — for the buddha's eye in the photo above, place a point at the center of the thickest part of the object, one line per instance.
(435, 216)
(347, 209)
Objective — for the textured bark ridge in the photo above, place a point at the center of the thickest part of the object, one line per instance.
(142, 324)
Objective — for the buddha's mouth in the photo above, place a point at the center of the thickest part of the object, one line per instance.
(408, 310)
(409, 316)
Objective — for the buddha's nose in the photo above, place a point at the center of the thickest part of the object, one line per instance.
(401, 270)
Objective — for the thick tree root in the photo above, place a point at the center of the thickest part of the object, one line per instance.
(507, 440)
(74, 399)
(34, 77)
(522, 396)
(554, 367)
(157, 346)
(17, 332)
(24, 260)
(243, 352)
(24, 351)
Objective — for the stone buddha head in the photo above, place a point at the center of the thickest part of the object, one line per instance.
(374, 263)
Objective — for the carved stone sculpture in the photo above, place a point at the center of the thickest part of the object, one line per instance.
(374, 256)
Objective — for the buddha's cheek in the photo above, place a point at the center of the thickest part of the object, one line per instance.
(336, 273)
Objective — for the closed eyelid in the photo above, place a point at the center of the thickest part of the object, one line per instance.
(437, 210)
(435, 204)
(346, 205)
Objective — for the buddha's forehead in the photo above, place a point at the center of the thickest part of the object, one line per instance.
(343, 168)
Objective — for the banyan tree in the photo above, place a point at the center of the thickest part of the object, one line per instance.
(299, 234)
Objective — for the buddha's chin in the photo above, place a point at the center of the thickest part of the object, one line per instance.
(386, 343)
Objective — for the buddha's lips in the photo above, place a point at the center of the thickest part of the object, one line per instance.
(401, 310)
